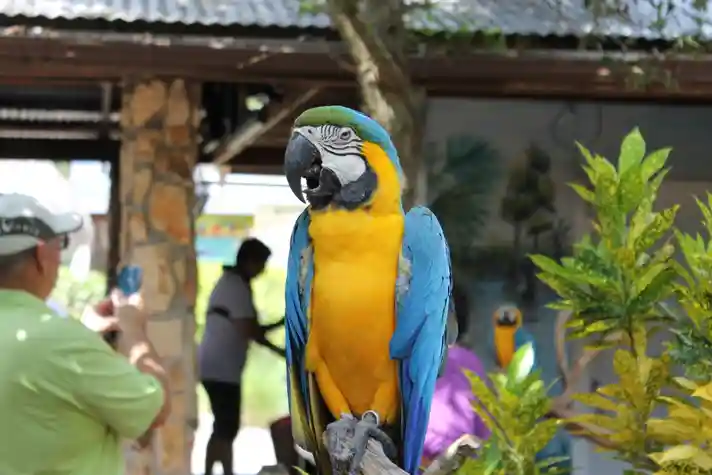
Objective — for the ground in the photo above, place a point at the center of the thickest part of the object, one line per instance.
(253, 448)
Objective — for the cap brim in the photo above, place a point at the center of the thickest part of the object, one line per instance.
(66, 223)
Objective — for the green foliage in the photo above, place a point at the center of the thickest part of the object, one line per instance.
(692, 346)
(686, 431)
(74, 296)
(513, 407)
(459, 186)
(623, 409)
(614, 282)
(529, 202)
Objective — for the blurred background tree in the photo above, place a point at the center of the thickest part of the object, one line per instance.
(461, 178)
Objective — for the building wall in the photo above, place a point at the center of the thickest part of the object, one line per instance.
(509, 127)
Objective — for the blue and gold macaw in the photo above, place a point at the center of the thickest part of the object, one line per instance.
(367, 291)
(509, 336)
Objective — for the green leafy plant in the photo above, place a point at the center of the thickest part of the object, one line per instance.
(687, 432)
(514, 407)
(73, 295)
(692, 347)
(616, 285)
(528, 204)
(616, 282)
(623, 409)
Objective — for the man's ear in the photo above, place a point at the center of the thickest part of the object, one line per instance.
(42, 256)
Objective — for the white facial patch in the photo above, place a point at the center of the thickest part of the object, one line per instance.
(340, 150)
(347, 168)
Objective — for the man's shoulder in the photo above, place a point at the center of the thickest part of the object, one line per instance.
(52, 333)
(231, 284)
(233, 278)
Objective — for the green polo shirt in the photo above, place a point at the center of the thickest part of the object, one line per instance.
(66, 398)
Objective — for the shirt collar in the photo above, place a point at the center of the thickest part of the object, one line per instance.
(21, 298)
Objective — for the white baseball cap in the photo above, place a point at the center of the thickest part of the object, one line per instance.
(25, 223)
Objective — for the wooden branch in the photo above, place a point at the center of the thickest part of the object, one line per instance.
(447, 463)
(243, 138)
(561, 406)
(375, 461)
(572, 376)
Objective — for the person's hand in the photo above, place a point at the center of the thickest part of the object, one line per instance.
(100, 317)
(129, 312)
(273, 326)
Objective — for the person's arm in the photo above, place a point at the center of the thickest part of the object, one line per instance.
(86, 372)
(133, 342)
(139, 351)
(263, 341)
(250, 326)
(273, 326)
(241, 311)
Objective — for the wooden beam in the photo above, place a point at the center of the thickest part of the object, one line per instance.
(243, 138)
(66, 150)
(512, 74)
(530, 74)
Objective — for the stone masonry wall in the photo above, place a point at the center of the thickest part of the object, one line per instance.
(159, 121)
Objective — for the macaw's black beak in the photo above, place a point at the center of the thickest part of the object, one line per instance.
(507, 320)
(303, 160)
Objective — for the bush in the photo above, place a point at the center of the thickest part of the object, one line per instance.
(622, 284)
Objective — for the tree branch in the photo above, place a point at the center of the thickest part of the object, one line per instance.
(377, 39)
(561, 406)
(375, 461)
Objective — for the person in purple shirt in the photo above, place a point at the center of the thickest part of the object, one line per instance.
(451, 413)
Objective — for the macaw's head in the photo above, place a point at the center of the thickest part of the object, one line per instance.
(508, 316)
(338, 157)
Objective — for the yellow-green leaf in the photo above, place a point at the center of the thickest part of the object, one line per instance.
(521, 364)
(542, 433)
(671, 431)
(654, 162)
(704, 392)
(686, 383)
(688, 453)
(598, 422)
(596, 401)
(632, 151)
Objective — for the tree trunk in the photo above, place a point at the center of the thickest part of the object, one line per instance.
(375, 33)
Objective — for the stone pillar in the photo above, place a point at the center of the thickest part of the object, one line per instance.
(159, 120)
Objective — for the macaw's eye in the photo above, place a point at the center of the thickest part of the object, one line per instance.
(345, 134)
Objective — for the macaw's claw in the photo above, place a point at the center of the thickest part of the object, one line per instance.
(365, 429)
(338, 439)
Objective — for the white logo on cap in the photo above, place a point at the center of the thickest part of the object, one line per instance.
(18, 226)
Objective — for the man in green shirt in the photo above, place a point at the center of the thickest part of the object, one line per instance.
(67, 399)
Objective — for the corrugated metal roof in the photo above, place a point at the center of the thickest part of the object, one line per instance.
(524, 17)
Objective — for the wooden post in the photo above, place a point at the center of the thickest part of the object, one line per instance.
(159, 121)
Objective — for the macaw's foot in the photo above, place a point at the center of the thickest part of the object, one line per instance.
(338, 440)
(347, 441)
(366, 429)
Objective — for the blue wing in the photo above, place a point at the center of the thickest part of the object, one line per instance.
(300, 270)
(423, 293)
